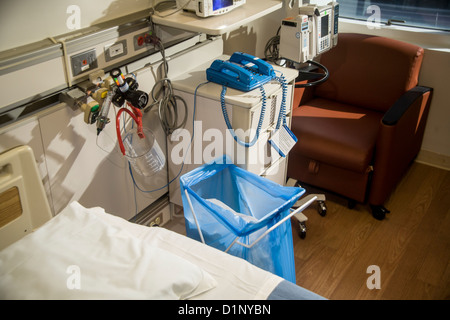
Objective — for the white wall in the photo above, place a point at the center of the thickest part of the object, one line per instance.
(27, 21)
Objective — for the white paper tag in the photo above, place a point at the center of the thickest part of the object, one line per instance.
(283, 140)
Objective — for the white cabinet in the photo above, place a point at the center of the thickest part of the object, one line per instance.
(208, 137)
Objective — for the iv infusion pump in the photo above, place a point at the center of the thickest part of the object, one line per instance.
(311, 33)
(206, 8)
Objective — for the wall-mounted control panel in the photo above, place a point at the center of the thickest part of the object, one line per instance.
(86, 54)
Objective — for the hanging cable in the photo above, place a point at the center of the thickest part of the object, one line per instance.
(164, 97)
(168, 107)
(187, 150)
(324, 76)
(228, 123)
(272, 50)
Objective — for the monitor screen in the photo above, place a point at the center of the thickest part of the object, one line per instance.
(219, 4)
(324, 26)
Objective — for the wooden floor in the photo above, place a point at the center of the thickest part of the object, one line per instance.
(411, 246)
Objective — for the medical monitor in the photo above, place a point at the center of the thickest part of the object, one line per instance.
(206, 8)
(321, 19)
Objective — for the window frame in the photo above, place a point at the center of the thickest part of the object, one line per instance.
(373, 13)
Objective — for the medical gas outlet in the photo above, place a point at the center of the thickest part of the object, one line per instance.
(83, 62)
(144, 40)
(91, 109)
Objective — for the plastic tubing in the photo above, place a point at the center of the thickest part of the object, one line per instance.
(119, 136)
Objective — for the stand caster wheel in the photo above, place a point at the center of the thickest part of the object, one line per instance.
(302, 232)
(322, 208)
(379, 212)
(351, 204)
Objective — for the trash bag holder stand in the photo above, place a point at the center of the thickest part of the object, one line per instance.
(304, 203)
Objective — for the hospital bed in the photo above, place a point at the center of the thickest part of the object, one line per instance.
(86, 253)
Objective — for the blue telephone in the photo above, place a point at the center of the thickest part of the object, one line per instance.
(245, 72)
(242, 72)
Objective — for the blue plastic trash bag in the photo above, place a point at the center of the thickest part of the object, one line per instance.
(232, 204)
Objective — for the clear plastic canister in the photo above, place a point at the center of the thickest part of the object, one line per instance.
(144, 154)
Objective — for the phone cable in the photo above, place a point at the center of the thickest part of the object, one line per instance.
(228, 123)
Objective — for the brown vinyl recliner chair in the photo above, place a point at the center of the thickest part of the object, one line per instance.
(359, 131)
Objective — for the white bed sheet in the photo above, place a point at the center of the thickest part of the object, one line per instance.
(117, 259)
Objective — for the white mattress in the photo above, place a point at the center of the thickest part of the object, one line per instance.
(89, 254)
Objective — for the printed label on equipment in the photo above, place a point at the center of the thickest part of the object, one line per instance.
(283, 140)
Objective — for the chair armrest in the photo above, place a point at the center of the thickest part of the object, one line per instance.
(398, 109)
(399, 140)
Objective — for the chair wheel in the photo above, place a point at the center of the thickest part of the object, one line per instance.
(302, 232)
(379, 212)
(322, 208)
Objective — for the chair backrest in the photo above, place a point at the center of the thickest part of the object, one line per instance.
(370, 71)
(23, 202)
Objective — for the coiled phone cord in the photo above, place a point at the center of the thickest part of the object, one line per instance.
(284, 87)
(228, 123)
(281, 116)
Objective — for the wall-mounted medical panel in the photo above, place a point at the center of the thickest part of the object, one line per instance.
(38, 70)
(117, 46)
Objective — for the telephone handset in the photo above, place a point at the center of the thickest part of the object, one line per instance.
(253, 63)
(242, 72)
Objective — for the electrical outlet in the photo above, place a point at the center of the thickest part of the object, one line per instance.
(116, 50)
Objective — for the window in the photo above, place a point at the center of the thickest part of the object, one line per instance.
(432, 14)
